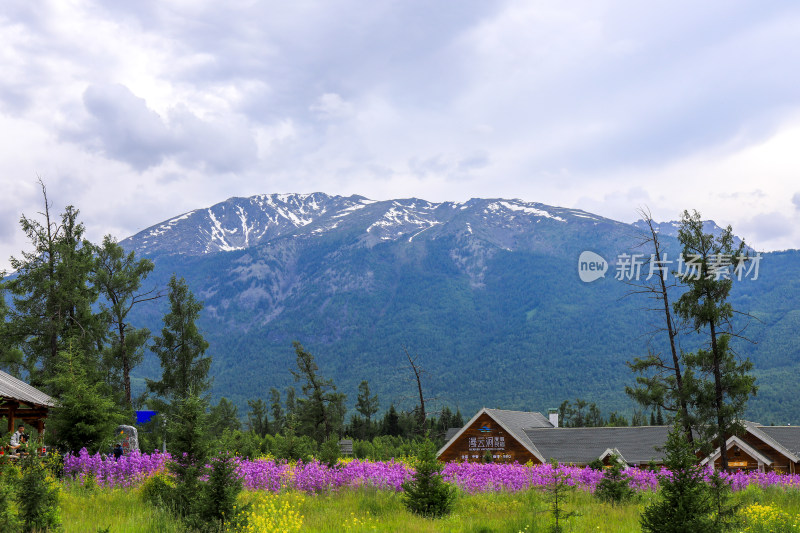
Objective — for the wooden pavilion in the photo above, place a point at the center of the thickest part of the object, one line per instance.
(22, 402)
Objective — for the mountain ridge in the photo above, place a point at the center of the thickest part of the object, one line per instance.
(242, 222)
(485, 291)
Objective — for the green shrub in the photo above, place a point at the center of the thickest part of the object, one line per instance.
(427, 494)
(218, 501)
(363, 449)
(683, 502)
(54, 462)
(329, 452)
(158, 489)
(242, 443)
(37, 497)
(9, 476)
(597, 464)
(614, 487)
(293, 448)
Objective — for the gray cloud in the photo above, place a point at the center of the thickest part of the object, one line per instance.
(123, 127)
(796, 200)
(577, 103)
(9, 219)
(766, 227)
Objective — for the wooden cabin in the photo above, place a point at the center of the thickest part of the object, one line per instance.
(518, 436)
(498, 433)
(20, 402)
(762, 448)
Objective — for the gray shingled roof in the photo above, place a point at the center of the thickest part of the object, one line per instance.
(13, 388)
(518, 422)
(583, 445)
(520, 419)
(787, 436)
(451, 432)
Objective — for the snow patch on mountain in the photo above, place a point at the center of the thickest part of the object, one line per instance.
(522, 207)
(242, 223)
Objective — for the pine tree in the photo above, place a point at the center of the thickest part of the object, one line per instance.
(118, 277)
(720, 384)
(52, 298)
(223, 416)
(218, 510)
(180, 348)
(278, 417)
(86, 414)
(555, 493)
(614, 487)
(257, 420)
(427, 494)
(367, 404)
(661, 379)
(321, 411)
(391, 422)
(684, 503)
(189, 449)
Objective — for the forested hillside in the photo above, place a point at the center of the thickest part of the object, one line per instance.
(486, 293)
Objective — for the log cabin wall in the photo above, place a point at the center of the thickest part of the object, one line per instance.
(779, 462)
(738, 460)
(485, 434)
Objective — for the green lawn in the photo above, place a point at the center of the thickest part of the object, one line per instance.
(372, 510)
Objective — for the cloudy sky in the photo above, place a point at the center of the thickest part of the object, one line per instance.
(137, 111)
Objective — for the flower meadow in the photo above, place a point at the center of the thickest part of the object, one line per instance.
(269, 475)
(758, 518)
(130, 470)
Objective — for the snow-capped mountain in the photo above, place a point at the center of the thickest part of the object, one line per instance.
(671, 228)
(241, 223)
(486, 291)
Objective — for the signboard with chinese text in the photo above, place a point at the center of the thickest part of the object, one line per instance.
(486, 437)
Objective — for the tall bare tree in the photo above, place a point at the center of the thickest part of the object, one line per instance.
(418, 372)
(661, 381)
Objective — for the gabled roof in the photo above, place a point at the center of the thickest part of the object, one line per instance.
(613, 452)
(514, 423)
(637, 445)
(12, 388)
(749, 450)
(784, 439)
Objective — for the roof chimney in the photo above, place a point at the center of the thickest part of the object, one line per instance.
(552, 414)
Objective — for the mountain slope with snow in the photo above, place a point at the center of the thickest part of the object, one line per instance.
(486, 292)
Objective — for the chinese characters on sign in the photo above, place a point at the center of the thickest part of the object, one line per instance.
(487, 443)
(631, 267)
(478, 446)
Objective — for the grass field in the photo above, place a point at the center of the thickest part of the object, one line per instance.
(774, 509)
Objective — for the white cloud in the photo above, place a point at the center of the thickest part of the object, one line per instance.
(330, 106)
(137, 111)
